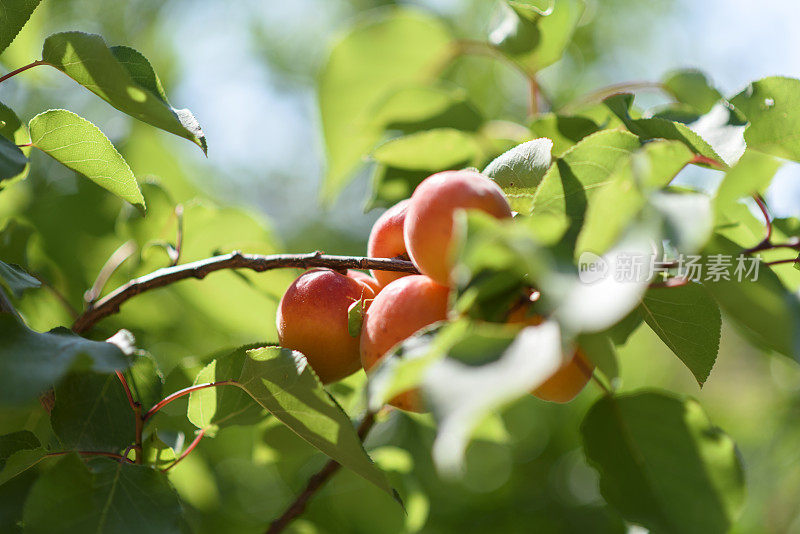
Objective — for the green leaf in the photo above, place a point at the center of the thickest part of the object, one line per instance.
(723, 129)
(355, 318)
(221, 406)
(599, 348)
(416, 108)
(12, 160)
(520, 170)
(79, 145)
(443, 148)
(575, 177)
(564, 130)
(688, 217)
(762, 309)
(122, 77)
(31, 362)
(18, 451)
(13, 16)
(283, 383)
(752, 174)
(535, 34)
(364, 68)
(691, 87)
(92, 413)
(105, 497)
(16, 279)
(688, 321)
(656, 128)
(663, 464)
(145, 380)
(772, 106)
(14, 131)
(157, 453)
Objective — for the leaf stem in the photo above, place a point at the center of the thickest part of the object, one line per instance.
(186, 451)
(315, 483)
(110, 304)
(113, 263)
(22, 69)
(603, 92)
(185, 391)
(127, 389)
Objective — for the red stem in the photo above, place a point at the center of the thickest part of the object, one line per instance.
(92, 453)
(21, 69)
(767, 219)
(779, 262)
(127, 390)
(186, 452)
(185, 391)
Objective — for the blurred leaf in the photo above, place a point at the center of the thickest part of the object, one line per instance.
(762, 309)
(574, 178)
(443, 148)
(771, 106)
(564, 130)
(145, 380)
(663, 464)
(364, 67)
(653, 128)
(218, 407)
(520, 170)
(18, 451)
(16, 132)
(416, 108)
(14, 14)
(122, 77)
(462, 391)
(157, 453)
(79, 145)
(688, 218)
(31, 362)
(536, 33)
(106, 496)
(16, 279)
(12, 160)
(752, 174)
(723, 129)
(599, 348)
(687, 320)
(691, 87)
(92, 413)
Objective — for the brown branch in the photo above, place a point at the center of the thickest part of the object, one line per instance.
(22, 69)
(315, 483)
(110, 304)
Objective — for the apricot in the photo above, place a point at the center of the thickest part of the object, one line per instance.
(403, 307)
(312, 319)
(428, 227)
(386, 240)
(570, 378)
(365, 279)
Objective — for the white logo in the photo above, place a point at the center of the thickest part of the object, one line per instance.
(592, 268)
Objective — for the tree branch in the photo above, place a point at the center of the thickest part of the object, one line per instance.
(315, 483)
(110, 304)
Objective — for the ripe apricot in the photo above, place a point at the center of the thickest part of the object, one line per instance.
(312, 319)
(428, 228)
(386, 240)
(402, 307)
(567, 381)
(366, 279)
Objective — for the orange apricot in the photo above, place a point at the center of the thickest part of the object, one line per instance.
(312, 319)
(365, 279)
(386, 240)
(428, 227)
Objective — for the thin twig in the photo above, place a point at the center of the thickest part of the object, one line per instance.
(185, 391)
(603, 92)
(139, 430)
(781, 262)
(315, 483)
(110, 304)
(762, 205)
(113, 262)
(92, 453)
(22, 69)
(179, 237)
(127, 389)
(186, 451)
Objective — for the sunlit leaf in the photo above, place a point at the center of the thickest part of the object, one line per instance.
(520, 170)
(691, 87)
(663, 464)
(13, 16)
(79, 145)
(752, 174)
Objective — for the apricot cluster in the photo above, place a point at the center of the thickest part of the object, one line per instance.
(313, 315)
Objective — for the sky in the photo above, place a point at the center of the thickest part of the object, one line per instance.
(264, 131)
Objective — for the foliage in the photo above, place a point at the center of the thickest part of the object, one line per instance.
(177, 432)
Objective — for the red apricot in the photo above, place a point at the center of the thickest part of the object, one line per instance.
(386, 240)
(403, 307)
(428, 228)
(312, 319)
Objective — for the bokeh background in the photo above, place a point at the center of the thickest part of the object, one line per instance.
(247, 69)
